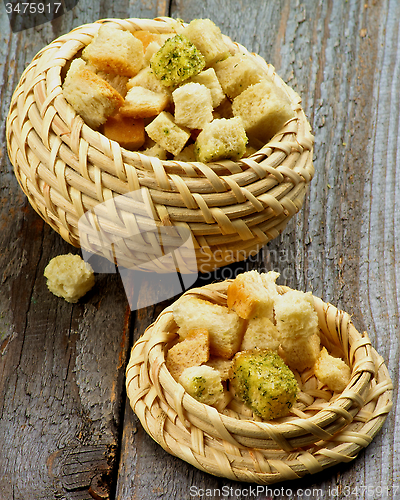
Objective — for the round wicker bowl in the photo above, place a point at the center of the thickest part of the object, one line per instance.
(228, 209)
(323, 428)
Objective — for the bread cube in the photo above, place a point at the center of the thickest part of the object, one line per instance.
(203, 383)
(301, 353)
(148, 80)
(207, 37)
(209, 78)
(221, 139)
(118, 82)
(260, 333)
(331, 371)
(295, 315)
(128, 132)
(238, 72)
(187, 154)
(143, 103)
(224, 326)
(165, 132)
(264, 109)
(115, 51)
(156, 150)
(176, 61)
(192, 351)
(91, 97)
(248, 296)
(193, 105)
(262, 380)
(69, 276)
(222, 365)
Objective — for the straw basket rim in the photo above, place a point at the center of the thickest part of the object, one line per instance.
(66, 169)
(328, 429)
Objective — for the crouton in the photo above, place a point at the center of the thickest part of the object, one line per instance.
(143, 103)
(203, 383)
(118, 82)
(128, 132)
(187, 154)
(224, 326)
(238, 72)
(221, 139)
(264, 109)
(115, 51)
(176, 61)
(165, 132)
(248, 296)
(91, 97)
(192, 351)
(223, 366)
(331, 371)
(207, 37)
(156, 150)
(262, 380)
(210, 80)
(147, 79)
(260, 333)
(69, 276)
(295, 315)
(301, 353)
(193, 105)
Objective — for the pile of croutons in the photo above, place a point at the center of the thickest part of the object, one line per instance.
(188, 95)
(253, 348)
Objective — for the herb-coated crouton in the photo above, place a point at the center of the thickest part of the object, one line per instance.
(165, 132)
(264, 109)
(115, 51)
(331, 371)
(301, 353)
(193, 105)
(207, 37)
(91, 97)
(295, 315)
(224, 326)
(221, 139)
(192, 351)
(176, 61)
(203, 383)
(264, 383)
(69, 276)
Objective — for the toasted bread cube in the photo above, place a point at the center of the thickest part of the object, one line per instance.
(176, 61)
(118, 82)
(238, 72)
(248, 296)
(193, 105)
(192, 351)
(143, 103)
(295, 315)
(210, 80)
(222, 365)
(187, 154)
(301, 353)
(331, 371)
(223, 325)
(221, 139)
(91, 97)
(156, 150)
(69, 276)
(264, 109)
(115, 51)
(165, 132)
(262, 380)
(203, 383)
(147, 79)
(128, 132)
(260, 333)
(207, 37)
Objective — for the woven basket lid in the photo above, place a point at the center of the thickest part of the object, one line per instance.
(139, 211)
(323, 428)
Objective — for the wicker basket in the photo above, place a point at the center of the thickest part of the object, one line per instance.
(230, 209)
(322, 430)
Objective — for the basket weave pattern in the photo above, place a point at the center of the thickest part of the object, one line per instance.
(66, 168)
(322, 430)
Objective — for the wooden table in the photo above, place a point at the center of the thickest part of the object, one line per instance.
(66, 428)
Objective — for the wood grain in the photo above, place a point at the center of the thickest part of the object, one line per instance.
(66, 428)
